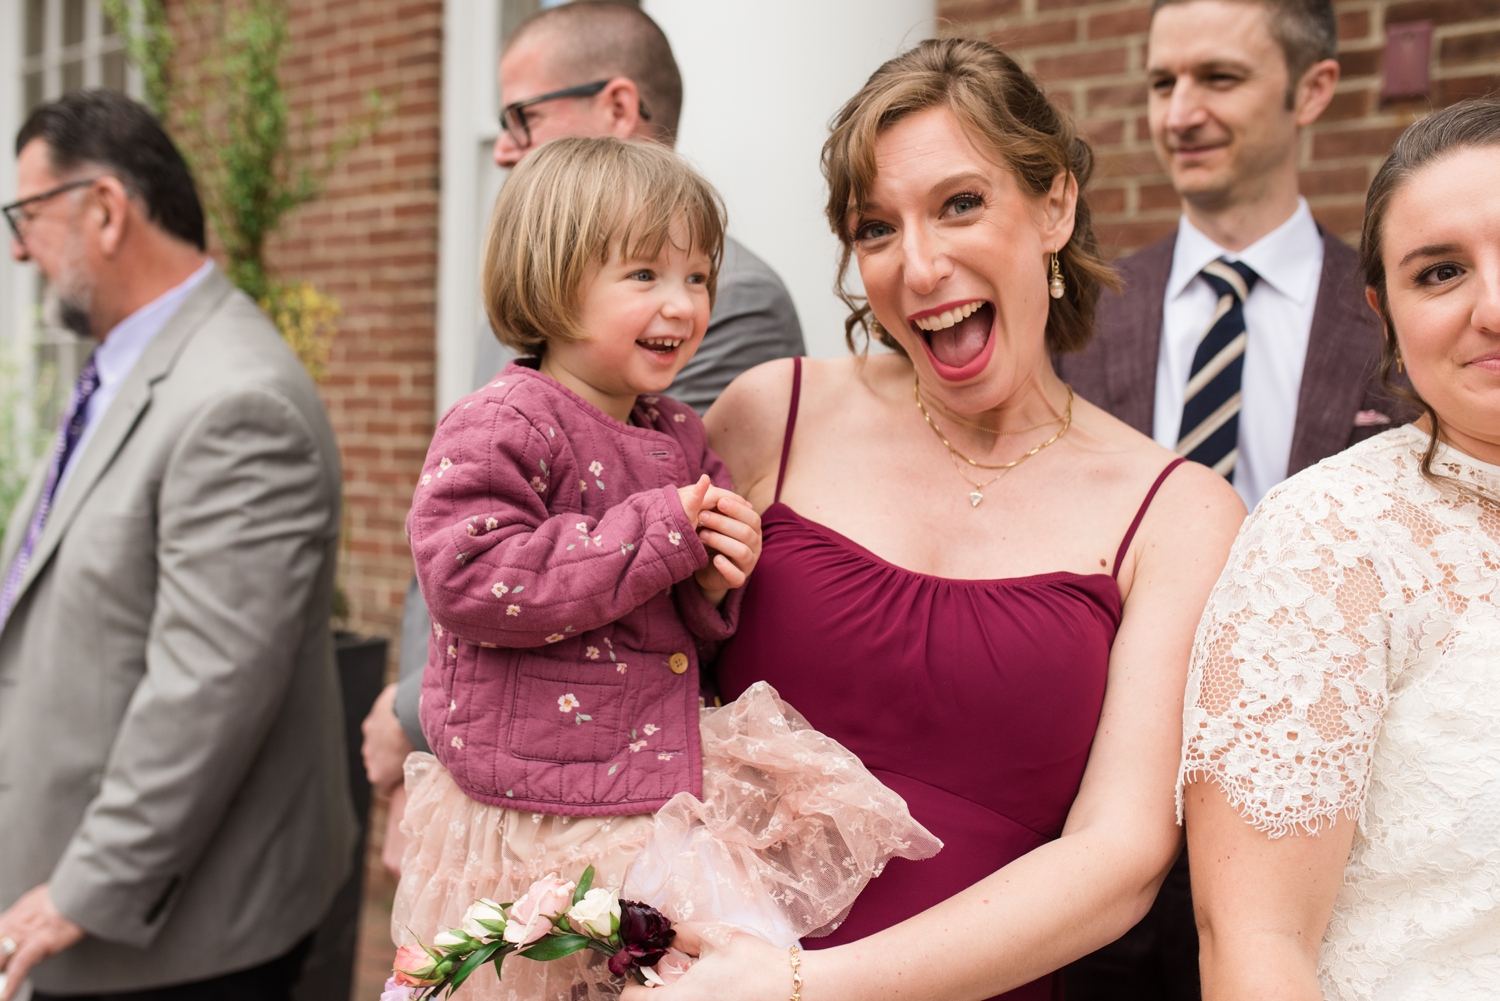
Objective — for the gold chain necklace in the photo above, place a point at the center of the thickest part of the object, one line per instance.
(976, 495)
(980, 427)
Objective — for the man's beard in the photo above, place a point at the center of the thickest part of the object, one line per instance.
(69, 299)
(71, 314)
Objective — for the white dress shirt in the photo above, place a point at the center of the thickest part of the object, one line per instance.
(1278, 319)
(121, 349)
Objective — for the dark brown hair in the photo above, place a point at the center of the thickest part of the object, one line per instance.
(107, 130)
(1467, 124)
(1003, 110)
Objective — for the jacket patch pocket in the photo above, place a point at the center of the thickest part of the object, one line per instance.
(567, 712)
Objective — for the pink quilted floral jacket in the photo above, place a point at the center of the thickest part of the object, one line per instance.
(557, 562)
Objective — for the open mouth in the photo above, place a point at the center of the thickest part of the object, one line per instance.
(660, 345)
(959, 337)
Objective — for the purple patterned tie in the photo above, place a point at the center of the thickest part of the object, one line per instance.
(67, 440)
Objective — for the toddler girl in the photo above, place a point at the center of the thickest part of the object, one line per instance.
(581, 552)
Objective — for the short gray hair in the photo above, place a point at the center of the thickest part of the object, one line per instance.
(599, 39)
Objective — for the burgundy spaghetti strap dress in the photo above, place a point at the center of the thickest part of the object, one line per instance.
(976, 700)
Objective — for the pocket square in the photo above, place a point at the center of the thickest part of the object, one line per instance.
(1370, 419)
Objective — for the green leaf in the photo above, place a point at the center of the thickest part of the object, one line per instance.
(473, 963)
(556, 947)
(584, 883)
(612, 768)
(518, 589)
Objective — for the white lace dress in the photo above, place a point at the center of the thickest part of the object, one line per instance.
(1348, 664)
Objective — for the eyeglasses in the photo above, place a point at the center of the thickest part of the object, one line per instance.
(15, 212)
(513, 116)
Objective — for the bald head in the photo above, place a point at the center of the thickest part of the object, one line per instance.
(594, 40)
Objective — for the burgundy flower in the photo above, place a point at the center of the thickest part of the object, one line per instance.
(645, 934)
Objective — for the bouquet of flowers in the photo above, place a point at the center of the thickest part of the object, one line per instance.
(552, 919)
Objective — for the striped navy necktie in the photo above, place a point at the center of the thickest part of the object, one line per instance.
(1210, 429)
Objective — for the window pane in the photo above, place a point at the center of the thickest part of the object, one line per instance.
(108, 24)
(72, 75)
(36, 26)
(112, 70)
(72, 22)
(34, 89)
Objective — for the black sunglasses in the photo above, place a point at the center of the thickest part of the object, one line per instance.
(513, 116)
(13, 211)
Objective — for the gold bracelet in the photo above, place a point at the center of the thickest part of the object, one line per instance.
(796, 955)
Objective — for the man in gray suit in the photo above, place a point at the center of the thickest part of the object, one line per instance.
(1242, 340)
(174, 807)
(587, 69)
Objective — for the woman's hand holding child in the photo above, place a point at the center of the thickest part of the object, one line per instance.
(729, 529)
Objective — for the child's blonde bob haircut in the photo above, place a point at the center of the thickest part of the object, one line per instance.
(567, 210)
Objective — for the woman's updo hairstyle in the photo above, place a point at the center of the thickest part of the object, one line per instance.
(1004, 112)
(1468, 124)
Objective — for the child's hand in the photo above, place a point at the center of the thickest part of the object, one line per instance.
(729, 529)
(694, 498)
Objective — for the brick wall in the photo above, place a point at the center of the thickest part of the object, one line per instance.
(371, 240)
(1091, 58)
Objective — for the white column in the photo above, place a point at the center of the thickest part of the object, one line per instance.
(471, 122)
(761, 79)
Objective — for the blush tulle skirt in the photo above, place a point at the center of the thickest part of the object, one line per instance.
(790, 829)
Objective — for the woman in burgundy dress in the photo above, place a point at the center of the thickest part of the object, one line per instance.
(981, 584)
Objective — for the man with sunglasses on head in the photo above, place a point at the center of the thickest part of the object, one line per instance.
(174, 805)
(590, 69)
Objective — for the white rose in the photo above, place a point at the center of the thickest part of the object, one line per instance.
(597, 914)
(449, 938)
(486, 911)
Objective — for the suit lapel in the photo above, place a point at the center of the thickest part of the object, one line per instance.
(120, 419)
(1343, 348)
(1131, 367)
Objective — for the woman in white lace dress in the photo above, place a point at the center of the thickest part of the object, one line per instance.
(1341, 769)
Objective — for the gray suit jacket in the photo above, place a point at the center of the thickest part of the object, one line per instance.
(1117, 371)
(171, 744)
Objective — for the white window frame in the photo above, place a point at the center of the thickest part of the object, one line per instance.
(92, 49)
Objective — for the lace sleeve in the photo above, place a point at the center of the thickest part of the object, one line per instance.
(1287, 684)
